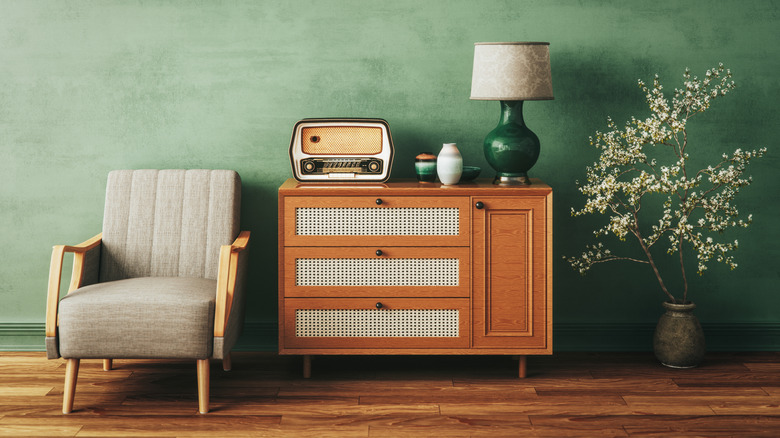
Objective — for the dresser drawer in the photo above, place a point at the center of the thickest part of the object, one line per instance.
(376, 323)
(376, 272)
(370, 220)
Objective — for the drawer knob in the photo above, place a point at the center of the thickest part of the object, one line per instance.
(379, 253)
(379, 305)
(378, 201)
(479, 205)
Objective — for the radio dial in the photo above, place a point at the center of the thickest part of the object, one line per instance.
(373, 166)
(308, 166)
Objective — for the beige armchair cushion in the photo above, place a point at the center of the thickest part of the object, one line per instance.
(149, 317)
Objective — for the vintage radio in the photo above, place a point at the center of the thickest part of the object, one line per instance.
(341, 149)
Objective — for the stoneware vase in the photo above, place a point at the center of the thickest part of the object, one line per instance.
(449, 164)
(679, 339)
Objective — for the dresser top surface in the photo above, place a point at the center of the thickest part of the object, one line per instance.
(480, 186)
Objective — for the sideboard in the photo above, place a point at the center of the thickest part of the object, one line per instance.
(404, 267)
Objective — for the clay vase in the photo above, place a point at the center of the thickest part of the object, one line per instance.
(679, 339)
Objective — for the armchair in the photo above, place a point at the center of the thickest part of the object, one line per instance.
(164, 279)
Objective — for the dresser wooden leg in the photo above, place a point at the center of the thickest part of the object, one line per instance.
(306, 366)
(108, 364)
(227, 364)
(521, 367)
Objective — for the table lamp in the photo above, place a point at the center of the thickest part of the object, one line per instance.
(511, 73)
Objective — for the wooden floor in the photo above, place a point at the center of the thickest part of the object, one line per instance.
(570, 394)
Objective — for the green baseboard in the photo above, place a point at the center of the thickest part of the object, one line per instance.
(262, 336)
(639, 337)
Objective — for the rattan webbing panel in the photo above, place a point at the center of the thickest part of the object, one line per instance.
(377, 272)
(389, 323)
(358, 221)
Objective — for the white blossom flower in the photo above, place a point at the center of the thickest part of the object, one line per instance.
(650, 156)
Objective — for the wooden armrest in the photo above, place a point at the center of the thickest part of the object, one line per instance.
(55, 275)
(226, 280)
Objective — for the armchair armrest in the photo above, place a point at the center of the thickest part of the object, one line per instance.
(55, 276)
(226, 281)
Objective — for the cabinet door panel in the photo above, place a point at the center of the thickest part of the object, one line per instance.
(510, 255)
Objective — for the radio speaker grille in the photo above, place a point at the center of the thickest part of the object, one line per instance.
(341, 140)
(376, 272)
(376, 221)
(362, 323)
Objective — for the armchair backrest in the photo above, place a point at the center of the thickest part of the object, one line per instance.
(168, 223)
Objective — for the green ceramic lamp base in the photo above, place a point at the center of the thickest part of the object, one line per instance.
(511, 148)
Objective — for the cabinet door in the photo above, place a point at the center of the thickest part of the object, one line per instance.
(511, 261)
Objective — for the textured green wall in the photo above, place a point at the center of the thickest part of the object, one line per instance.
(90, 86)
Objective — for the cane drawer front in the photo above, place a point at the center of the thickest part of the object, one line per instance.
(373, 323)
(376, 272)
(376, 220)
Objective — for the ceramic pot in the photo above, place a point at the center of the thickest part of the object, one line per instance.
(425, 167)
(679, 339)
(449, 164)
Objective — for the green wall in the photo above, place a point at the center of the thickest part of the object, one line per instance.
(90, 86)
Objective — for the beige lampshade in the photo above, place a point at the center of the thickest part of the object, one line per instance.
(511, 71)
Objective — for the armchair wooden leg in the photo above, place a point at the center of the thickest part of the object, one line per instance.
(71, 375)
(203, 386)
(227, 363)
(108, 364)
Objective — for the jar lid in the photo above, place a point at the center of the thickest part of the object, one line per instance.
(426, 156)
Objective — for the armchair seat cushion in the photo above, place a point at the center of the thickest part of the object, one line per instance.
(147, 317)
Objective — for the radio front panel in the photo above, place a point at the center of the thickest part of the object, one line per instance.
(341, 150)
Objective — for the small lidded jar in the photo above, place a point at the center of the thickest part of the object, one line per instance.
(425, 167)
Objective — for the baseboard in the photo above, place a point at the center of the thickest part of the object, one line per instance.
(639, 337)
(262, 336)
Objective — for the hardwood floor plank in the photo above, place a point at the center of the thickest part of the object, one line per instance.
(151, 425)
(731, 380)
(748, 407)
(568, 407)
(37, 430)
(763, 367)
(771, 390)
(21, 390)
(441, 426)
(664, 425)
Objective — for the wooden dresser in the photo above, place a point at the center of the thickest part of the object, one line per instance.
(415, 268)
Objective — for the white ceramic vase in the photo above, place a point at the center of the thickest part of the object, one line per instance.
(449, 164)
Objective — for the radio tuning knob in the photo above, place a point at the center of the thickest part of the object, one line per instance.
(373, 166)
(308, 166)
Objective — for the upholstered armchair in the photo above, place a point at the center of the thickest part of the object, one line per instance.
(163, 280)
